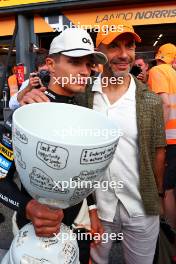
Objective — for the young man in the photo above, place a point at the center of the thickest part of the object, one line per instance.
(139, 161)
(70, 64)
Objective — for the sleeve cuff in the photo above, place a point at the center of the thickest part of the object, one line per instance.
(22, 207)
(91, 207)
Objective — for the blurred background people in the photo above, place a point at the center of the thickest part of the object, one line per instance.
(13, 82)
(162, 80)
(142, 63)
(34, 80)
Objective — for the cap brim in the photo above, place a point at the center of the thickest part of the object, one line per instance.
(167, 59)
(157, 57)
(99, 57)
(114, 35)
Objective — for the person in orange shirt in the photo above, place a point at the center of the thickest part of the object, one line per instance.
(162, 80)
(13, 82)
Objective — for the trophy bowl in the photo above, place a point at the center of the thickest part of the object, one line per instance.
(61, 151)
(26, 248)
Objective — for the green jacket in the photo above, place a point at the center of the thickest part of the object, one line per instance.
(151, 134)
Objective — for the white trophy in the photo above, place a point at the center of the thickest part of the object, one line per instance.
(60, 151)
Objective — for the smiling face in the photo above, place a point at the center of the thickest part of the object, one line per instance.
(69, 74)
(120, 54)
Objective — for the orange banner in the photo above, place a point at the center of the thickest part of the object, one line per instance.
(7, 26)
(135, 15)
(41, 26)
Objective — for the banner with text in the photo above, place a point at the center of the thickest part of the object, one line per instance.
(143, 15)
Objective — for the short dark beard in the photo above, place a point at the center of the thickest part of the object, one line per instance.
(112, 73)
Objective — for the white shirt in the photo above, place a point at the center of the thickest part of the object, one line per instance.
(125, 164)
(13, 103)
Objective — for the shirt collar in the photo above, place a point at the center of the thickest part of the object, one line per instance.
(130, 93)
(97, 87)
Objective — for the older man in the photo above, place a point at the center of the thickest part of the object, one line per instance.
(139, 160)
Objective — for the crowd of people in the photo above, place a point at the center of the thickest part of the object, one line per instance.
(144, 107)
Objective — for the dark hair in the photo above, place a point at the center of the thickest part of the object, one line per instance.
(54, 55)
(141, 57)
(40, 59)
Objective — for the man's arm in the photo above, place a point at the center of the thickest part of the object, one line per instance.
(21, 93)
(10, 194)
(159, 168)
(166, 105)
(34, 96)
(34, 81)
(160, 144)
(13, 103)
(17, 100)
(46, 221)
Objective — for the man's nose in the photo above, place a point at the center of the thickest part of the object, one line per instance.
(123, 52)
(85, 70)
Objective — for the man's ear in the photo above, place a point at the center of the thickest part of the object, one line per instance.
(51, 64)
(146, 66)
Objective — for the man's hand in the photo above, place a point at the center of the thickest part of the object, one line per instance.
(34, 80)
(96, 225)
(46, 221)
(34, 96)
(142, 77)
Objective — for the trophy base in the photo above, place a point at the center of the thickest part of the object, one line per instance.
(27, 248)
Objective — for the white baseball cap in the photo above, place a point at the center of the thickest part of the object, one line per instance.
(76, 42)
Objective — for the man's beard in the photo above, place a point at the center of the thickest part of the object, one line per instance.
(117, 74)
(121, 73)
